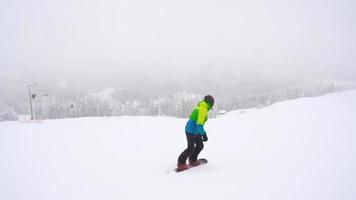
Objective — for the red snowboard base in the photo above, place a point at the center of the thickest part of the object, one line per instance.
(202, 161)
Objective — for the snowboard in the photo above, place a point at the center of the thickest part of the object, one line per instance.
(202, 161)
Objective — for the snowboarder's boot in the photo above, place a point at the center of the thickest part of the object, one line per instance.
(181, 167)
(194, 163)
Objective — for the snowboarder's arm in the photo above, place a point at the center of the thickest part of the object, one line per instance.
(202, 116)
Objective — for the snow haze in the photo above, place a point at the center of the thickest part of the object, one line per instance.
(95, 44)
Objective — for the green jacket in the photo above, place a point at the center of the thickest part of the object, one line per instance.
(197, 119)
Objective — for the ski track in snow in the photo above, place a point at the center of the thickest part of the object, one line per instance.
(297, 149)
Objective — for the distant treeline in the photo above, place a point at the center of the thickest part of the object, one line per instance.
(109, 102)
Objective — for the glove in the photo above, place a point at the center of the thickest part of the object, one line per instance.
(204, 137)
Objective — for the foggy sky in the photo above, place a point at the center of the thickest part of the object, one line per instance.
(80, 45)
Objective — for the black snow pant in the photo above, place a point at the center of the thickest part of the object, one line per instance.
(195, 145)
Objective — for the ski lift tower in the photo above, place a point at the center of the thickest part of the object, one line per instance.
(31, 96)
(24, 84)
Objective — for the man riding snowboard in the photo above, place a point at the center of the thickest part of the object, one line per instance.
(195, 133)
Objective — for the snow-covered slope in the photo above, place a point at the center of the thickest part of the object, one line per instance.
(298, 149)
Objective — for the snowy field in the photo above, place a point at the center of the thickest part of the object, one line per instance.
(302, 149)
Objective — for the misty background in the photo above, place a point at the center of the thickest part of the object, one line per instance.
(137, 57)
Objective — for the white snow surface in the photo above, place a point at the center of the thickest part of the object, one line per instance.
(297, 149)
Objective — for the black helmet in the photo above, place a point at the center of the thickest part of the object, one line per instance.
(209, 99)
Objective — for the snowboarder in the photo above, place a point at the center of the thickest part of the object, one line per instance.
(195, 133)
